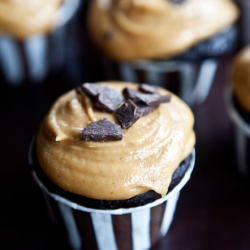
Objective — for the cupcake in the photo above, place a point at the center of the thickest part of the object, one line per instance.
(34, 38)
(238, 103)
(173, 44)
(111, 159)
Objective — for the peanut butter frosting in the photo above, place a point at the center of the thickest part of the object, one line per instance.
(148, 29)
(22, 18)
(241, 77)
(143, 160)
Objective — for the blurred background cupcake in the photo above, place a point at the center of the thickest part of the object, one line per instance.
(34, 38)
(238, 103)
(174, 44)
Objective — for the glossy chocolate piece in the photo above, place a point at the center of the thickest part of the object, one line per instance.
(93, 89)
(153, 100)
(128, 114)
(130, 93)
(148, 88)
(102, 131)
(108, 100)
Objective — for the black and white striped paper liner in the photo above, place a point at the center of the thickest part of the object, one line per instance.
(32, 58)
(133, 228)
(241, 133)
(195, 79)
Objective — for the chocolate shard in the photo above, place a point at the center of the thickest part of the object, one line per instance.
(102, 131)
(153, 99)
(128, 114)
(108, 100)
(148, 88)
(130, 93)
(103, 97)
(145, 109)
(93, 89)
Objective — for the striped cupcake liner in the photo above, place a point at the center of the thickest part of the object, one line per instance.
(191, 81)
(124, 228)
(241, 134)
(135, 230)
(33, 58)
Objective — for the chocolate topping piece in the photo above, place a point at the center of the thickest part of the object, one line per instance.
(130, 93)
(148, 89)
(153, 99)
(101, 131)
(128, 114)
(103, 97)
(145, 109)
(93, 89)
(108, 100)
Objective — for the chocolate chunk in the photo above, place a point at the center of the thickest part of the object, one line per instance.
(145, 109)
(108, 100)
(102, 131)
(103, 97)
(148, 89)
(93, 89)
(128, 114)
(153, 99)
(130, 93)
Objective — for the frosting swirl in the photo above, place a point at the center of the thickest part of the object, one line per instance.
(144, 29)
(143, 160)
(22, 18)
(241, 77)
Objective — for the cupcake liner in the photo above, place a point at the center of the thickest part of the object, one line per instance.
(124, 228)
(11, 60)
(32, 58)
(189, 80)
(241, 134)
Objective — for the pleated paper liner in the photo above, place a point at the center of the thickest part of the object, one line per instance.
(33, 58)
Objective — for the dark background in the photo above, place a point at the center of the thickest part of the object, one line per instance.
(214, 207)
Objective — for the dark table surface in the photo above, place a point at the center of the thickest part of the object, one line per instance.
(214, 207)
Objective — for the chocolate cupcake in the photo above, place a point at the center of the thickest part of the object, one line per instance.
(34, 38)
(238, 103)
(166, 43)
(113, 153)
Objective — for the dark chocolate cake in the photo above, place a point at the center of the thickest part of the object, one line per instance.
(221, 44)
